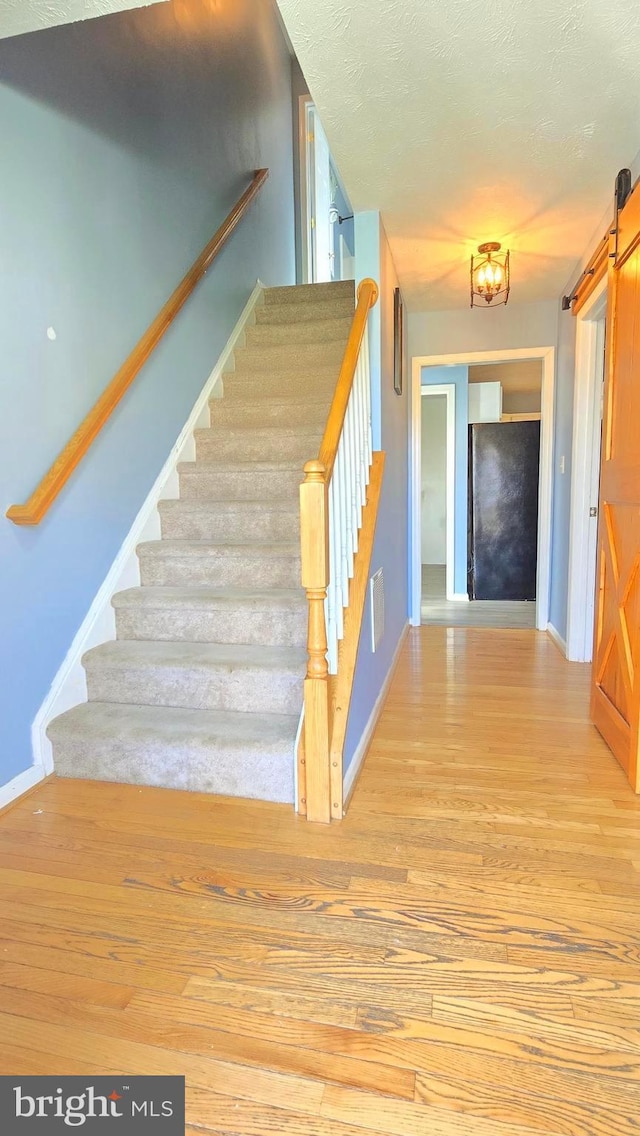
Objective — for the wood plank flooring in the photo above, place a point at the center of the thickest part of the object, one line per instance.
(436, 609)
(459, 957)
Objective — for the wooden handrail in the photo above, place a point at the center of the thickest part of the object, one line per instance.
(367, 297)
(43, 497)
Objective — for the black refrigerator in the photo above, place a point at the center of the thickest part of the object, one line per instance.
(504, 463)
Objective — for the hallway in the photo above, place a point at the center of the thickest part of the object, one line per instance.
(458, 957)
(435, 608)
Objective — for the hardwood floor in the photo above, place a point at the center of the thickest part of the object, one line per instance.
(435, 608)
(458, 957)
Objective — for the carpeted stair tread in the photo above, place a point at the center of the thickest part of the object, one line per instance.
(227, 656)
(301, 332)
(201, 614)
(210, 751)
(291, 356)
(197, 519)
(275, 313)
(201, 597)
(200, 676)
(310, 293)
(265, 549)
(247, 506)
(235, 465)
(271, 382)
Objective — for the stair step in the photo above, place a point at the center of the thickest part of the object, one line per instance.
(293, 312)
(214, 481)
(301, 332)
(244, 443)
(263, 407)
(207, 751)
(174, 563)
(310, 293)
(257, 383)
(270, 521)
(281, 388)
(198, 676)
(292, 356)
(213, 615)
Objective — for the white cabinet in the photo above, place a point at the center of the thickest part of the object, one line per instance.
(485, 402)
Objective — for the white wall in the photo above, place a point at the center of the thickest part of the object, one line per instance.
(434, 479)
(473, 329)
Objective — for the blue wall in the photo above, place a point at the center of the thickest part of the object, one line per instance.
(391, 433)
(126, 140)
(459, 376)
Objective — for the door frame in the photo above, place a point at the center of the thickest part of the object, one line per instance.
(304, 189)
(585, 470)
(545, 485)
(449, 391)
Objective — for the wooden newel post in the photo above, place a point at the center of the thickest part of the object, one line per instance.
(314, 541)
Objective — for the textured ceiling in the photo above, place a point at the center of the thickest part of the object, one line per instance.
(18, 16)
(472, 120)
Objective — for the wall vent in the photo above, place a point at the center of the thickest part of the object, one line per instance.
(376, 596)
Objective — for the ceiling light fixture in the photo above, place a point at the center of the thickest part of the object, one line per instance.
(490, 276)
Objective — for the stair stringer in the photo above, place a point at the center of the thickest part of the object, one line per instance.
(69, 687)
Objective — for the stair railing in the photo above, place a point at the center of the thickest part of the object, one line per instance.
(338, 508)
(56, 477)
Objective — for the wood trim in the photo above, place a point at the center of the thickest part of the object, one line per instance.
(314, 552)
(595, 271)
(367, 297)
(301, 759)
(610, 723)
(531, 416)
(357, 761)
(348, 648)
(43, 497)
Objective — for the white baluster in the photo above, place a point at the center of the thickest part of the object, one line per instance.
(364, 381)
(337, 546)
(360, 457)
(367, 367)
(341, 581)
(332, 636)
(353, 492)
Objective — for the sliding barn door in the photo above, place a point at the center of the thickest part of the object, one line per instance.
(615, 692)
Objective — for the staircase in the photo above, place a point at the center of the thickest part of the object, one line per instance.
(202, 688)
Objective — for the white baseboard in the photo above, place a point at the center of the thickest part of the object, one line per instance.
(69, 687)
(367, 733)
(21, 784)
(459, 597)
(554, 634)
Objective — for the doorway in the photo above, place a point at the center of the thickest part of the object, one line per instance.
(437, 492)
(326, 236)
(585, 480)
(528, 404)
